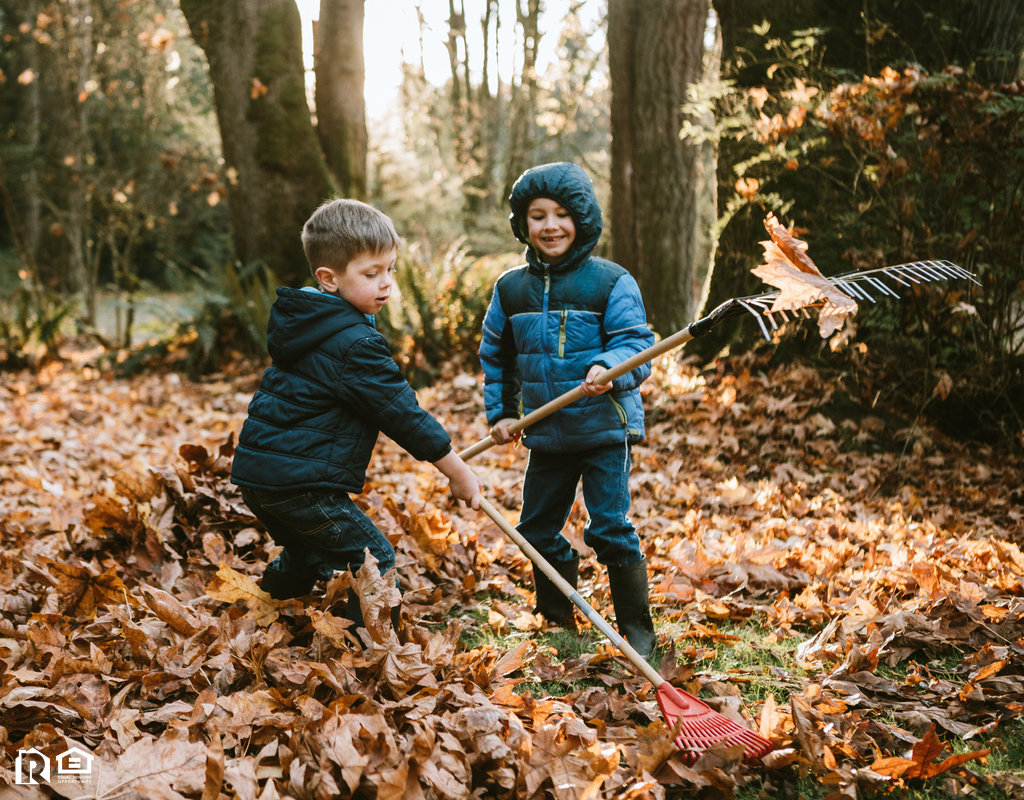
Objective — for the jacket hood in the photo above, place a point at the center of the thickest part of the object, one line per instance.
(569, 186)
(300, 321)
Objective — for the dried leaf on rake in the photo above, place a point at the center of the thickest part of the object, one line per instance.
(788, 268)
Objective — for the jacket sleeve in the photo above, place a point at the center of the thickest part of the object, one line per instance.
(626, 333)
(375, 388)
(499, 359)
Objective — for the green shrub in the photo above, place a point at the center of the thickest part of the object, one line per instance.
(230, 321)
(900, 167)
(32, 326)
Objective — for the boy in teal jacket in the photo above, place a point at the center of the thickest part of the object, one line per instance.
(553, 324)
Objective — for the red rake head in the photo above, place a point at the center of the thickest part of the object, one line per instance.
(701, 726)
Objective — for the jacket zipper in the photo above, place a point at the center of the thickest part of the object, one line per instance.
(561, 334)
(545, 305)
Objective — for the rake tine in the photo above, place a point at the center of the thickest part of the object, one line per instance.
(960, 272)
(894, 272)
(882, 287)
(946, 269)
(757, 316)
(919, 267)
(858, 292)
(907, 272)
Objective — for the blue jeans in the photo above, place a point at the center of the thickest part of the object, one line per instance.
(549, 490)
(320, 531)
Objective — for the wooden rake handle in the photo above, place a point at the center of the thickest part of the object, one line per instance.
(565, 588)
(701, 327)
(609, 375)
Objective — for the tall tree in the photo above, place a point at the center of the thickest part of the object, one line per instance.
(523, 100)
(663, 188)
(277, 173)
(340, 108)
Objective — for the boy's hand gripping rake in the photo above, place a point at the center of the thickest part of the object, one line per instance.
(855, 284)
(700, 726)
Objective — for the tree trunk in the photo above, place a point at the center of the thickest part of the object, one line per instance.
(523, 102)
(664, 191)
(340, 108)
(276, 173)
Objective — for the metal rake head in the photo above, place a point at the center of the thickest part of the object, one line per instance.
(858, 285)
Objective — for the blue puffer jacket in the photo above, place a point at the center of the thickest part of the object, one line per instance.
(547, 325)
(333, 385)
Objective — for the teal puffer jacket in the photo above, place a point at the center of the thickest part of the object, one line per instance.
(548, 324)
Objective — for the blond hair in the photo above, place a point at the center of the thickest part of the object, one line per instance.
(340, 230)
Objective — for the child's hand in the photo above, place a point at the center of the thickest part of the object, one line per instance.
(462, 481)
(588, 387)
(500, 434)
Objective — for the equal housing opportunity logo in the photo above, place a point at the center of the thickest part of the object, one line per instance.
(32, 767)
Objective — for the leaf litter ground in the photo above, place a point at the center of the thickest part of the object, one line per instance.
(851, 591)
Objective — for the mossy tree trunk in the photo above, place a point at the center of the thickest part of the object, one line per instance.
(276, 173)
(664, 192)
(340, 108)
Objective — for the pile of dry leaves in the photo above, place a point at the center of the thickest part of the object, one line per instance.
(134, 630)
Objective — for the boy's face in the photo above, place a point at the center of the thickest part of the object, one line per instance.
(550, 228)
(366, 282)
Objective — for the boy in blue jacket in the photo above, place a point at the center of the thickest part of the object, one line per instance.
(332, 387)
(554, 323)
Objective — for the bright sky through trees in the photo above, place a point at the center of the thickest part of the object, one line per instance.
(391, 35)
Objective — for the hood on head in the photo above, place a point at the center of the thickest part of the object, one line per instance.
(569, 186)
(300, 321)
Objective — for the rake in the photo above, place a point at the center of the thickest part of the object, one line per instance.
(858, 285)
(701, 726)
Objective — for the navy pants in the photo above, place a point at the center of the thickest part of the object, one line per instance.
(549, 490)
(320, 531)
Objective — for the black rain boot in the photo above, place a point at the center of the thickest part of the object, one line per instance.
(284, 586)
(555, 606)
(632, 606)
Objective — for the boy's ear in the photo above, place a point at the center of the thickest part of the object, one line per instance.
(327, 278)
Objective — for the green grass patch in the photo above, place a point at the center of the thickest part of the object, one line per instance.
(758, 665)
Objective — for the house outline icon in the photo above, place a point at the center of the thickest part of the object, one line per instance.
(19, 766)
(81, 764)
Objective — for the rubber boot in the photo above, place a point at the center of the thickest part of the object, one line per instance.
(632, 606)
(285, 586)
(555, 606)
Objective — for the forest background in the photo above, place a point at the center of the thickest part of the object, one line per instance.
(158, 158)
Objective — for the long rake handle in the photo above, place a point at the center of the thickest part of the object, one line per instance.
(565, 588)
(549, 408)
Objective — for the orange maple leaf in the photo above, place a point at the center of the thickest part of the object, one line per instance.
(788, 268)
